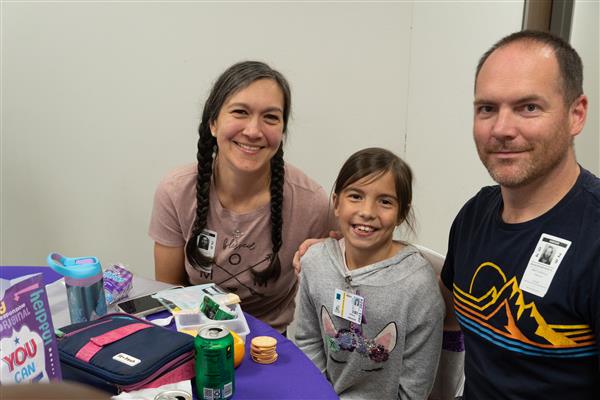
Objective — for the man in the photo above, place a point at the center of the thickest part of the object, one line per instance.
(530, 328)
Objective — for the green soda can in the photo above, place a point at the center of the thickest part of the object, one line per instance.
(214, 363)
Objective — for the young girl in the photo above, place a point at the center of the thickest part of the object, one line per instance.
(370, 312)
(237, 216)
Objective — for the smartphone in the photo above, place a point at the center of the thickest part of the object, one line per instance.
(141, 306)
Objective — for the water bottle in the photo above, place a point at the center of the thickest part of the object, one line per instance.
(85, 286)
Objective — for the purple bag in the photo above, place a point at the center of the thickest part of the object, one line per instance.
(27, 341)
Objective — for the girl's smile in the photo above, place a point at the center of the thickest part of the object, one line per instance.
(367, 211)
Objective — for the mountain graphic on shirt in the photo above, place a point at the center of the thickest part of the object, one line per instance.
(500, 314)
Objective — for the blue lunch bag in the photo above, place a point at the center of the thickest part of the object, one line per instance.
(121, 352)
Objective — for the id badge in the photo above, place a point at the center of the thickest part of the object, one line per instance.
(348, 306)
(207, 243)
(543, 264)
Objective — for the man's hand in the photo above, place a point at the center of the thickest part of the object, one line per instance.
(304, 247)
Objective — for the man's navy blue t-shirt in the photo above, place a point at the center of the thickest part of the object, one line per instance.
(521, 345)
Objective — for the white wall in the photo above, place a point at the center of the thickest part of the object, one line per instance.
(99, 100)
(448, 40)
(585, 38)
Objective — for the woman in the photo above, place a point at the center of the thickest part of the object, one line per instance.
(253, 208)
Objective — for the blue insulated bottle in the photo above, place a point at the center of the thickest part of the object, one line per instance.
(85, 286)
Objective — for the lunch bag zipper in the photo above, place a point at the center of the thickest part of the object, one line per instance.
(85, 328)
(114, 378)
(182, 359)
(105, 319)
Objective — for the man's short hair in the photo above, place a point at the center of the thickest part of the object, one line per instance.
(569, 63)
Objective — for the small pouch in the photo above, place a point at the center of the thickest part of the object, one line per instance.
(120, 352)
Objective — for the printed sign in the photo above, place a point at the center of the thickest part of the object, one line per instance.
(27, 342)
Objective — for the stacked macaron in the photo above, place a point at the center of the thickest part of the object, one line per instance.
(263, 349)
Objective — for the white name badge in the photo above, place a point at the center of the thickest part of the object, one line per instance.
(207, 242)
(348, 306)
(545, 260)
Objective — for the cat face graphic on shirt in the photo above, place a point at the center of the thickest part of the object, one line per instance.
(344, 343)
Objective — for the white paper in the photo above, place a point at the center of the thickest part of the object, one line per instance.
(150, 394)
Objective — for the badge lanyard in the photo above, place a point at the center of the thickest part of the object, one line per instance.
(349, 306)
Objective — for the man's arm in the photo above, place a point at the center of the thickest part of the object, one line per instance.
(450, 321)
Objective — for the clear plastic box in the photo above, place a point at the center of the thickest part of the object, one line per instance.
(189, 321)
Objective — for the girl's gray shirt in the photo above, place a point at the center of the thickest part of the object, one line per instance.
(394, 353)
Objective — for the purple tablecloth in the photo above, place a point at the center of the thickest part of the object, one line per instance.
(292, 376)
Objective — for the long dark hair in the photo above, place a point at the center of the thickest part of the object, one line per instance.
(234, 79)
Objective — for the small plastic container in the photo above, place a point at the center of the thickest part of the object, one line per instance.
(187, 321)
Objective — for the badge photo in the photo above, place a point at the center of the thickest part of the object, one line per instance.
(207, 243)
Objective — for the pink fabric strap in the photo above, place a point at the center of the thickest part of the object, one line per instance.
(95, 344)
(184, 372)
